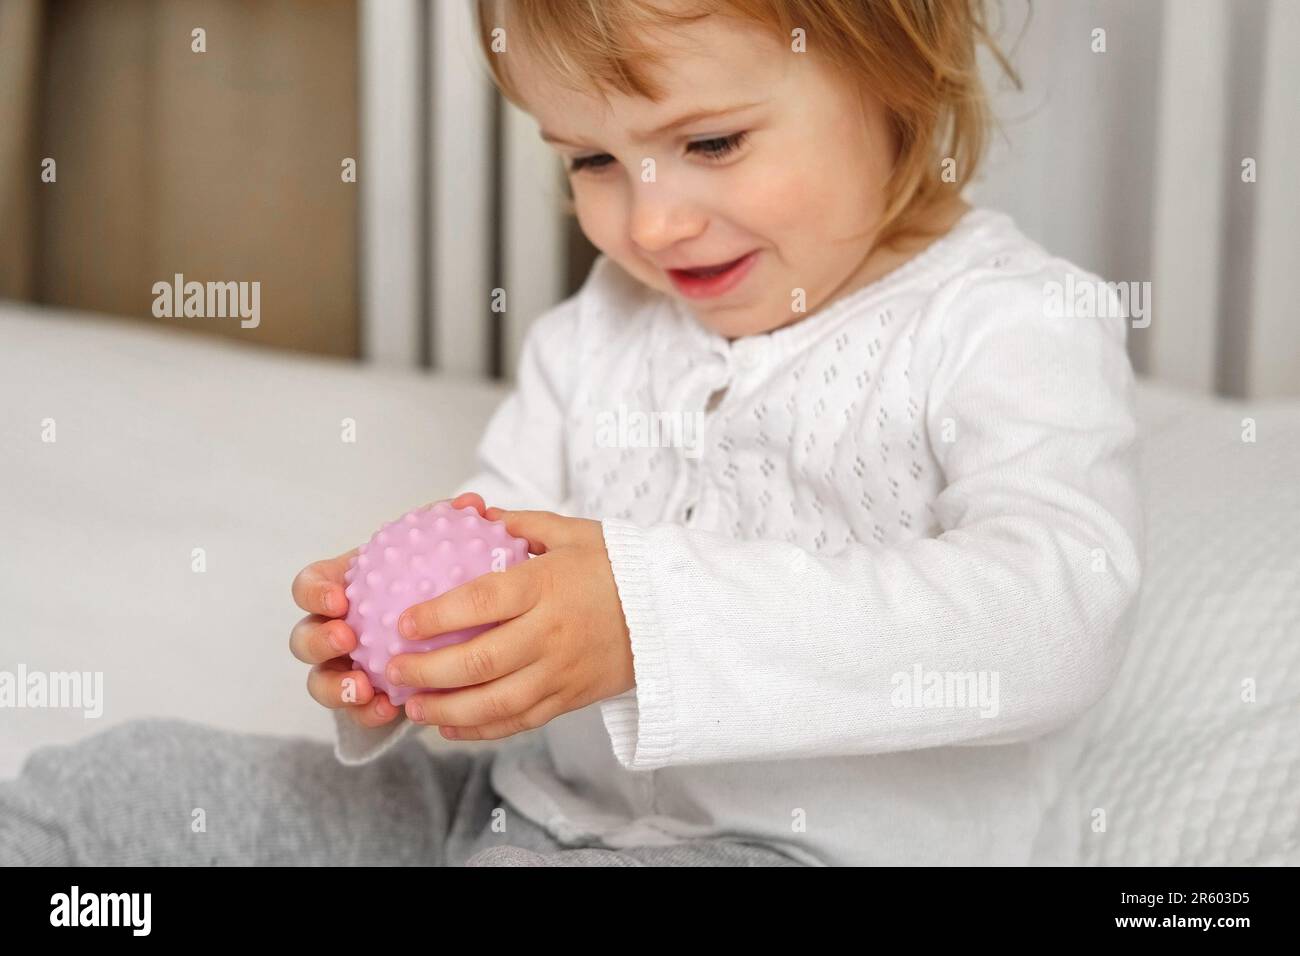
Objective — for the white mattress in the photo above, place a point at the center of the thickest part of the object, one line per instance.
(170, 442)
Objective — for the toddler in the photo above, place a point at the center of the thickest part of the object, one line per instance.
(835, 522)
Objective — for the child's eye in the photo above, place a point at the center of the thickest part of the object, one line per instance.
(598, 161)
(718, 146)
(714, 148)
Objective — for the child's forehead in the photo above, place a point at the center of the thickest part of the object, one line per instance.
(710, 64)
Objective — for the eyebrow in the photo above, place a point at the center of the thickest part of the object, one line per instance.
(685, 120)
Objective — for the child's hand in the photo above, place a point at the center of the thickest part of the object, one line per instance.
(564, 643)
(323, 640)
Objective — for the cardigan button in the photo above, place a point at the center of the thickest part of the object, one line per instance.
(749, 353)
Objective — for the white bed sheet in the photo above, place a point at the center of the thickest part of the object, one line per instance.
(170, 442)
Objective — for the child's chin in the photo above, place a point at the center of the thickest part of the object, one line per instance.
(737, 322)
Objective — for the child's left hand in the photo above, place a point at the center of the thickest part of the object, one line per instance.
(563, 645)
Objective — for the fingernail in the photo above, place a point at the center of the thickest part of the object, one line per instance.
(331, 602)
(394, 674)
(338, 641)
(406, 627)
(414, 711)
(449, 733)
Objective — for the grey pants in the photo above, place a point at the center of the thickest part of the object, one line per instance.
(163, 792)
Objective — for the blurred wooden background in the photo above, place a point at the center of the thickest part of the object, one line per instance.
(222, 165)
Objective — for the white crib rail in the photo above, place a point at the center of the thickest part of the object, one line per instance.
(460, 198)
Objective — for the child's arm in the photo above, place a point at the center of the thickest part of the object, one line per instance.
(750, 650)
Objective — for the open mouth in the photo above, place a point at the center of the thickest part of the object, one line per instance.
(707, 271)
(707, 281)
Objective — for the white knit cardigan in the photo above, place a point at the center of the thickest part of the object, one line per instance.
(870, 587)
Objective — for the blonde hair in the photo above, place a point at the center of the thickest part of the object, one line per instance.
(919, 57)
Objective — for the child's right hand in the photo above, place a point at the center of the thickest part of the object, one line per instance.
(324, 640)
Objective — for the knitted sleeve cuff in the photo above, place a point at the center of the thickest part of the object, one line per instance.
(639, 721)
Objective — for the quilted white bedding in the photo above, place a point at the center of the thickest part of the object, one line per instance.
(167, 443)
(1195, 753)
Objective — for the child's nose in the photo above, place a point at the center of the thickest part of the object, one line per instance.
(660, 218)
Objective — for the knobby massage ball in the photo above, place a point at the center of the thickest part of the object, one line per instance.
(421, 555)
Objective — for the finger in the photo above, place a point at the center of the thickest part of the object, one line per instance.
(318, 588)
(542, 529)
(488, 703)
(469, 499)
(316, 639)
(378, 712)
(328, 684)
(488, 656)
(540, 713)
(488, 599)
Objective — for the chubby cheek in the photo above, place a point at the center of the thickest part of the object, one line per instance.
(597, 217)
(780, 205)
(777, 202)
(602, 215)
(819, 219)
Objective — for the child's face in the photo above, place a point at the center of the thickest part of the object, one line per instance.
(792, 172)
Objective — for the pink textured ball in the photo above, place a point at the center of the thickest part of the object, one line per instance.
(421, 555)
